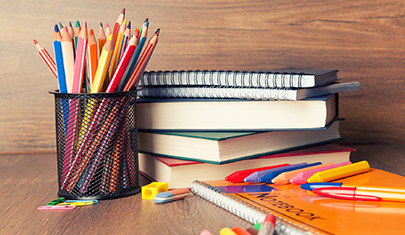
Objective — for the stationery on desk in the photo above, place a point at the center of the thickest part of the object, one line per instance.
(83, 65)
(299, 211)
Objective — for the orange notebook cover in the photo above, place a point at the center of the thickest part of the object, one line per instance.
(301, 212)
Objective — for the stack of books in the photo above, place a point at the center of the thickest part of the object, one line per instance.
(204, 125)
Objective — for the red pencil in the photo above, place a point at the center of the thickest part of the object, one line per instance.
(126, 58)
(117, 26)
(142, 62)
(47, 58)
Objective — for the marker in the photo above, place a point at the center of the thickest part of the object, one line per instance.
(312, 186)
(227, 231)
(254, 177)
(363, 193)
(339, 172)
(285, 177)
(240, 231)
(268, 225)
(271, 175)
(171, 195)
(239, 176)
(301, 178)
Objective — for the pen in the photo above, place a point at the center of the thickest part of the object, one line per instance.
(363, 193)
(339, 172)
(238, 176)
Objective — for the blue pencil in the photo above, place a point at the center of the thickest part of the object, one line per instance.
(57, 47)
(271, 175)
(135, 58)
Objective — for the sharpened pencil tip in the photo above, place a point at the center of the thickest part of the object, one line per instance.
(147, 24)
(107, 25)
(123, 11)
(129, 25)
(146, 20)
(56, 28)
(35, 42)
(70, 24)
(101, 24)
(157, 31)
(77, 24)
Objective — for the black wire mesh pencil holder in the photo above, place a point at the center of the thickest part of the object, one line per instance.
(97, 145)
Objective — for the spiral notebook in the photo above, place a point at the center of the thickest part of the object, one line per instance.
(280, 78)
(301, 212)
(245, 92)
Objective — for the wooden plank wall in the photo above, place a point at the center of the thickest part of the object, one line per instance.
(363, 39)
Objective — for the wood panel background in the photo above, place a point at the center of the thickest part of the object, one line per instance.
(364, 40)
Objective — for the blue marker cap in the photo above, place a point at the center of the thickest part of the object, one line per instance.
(312, 186)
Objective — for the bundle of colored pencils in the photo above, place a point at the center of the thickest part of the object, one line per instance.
(114, 62)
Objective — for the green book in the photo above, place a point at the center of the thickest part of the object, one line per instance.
(226, 147)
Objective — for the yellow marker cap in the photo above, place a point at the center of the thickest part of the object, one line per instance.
(339, 172)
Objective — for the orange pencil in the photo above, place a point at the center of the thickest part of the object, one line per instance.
(47, 58)
(92, 56)
(142, 62)
(101, 39)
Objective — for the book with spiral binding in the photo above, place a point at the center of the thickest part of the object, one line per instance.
(301, 212)
(280, 78)
(245, 92)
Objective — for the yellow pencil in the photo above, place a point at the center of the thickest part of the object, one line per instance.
(114, 59)
(102, 67)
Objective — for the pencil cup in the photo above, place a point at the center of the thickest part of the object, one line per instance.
(97, 145)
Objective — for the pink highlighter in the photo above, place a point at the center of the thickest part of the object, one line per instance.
(302, 177)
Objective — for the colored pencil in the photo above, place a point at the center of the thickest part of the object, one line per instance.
(101, 39)
(143, 61)
(71, 31)
(46, 57)
(92, 56)
(125, 38)
(114, 59)
(80, 59)
(68, 58)
(76, 33)
(117, 26)
(116, 78)
(102, 67)
(135, 57)
(57, 47)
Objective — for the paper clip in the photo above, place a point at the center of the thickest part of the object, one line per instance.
(54, 202)
(57, 207)
(83, 200)
(81, 203)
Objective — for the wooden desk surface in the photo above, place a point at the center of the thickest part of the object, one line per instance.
(30, 180)
(364, 40)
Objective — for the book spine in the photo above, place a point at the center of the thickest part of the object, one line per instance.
(218, 92)
(242, 209)
(223, 78)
